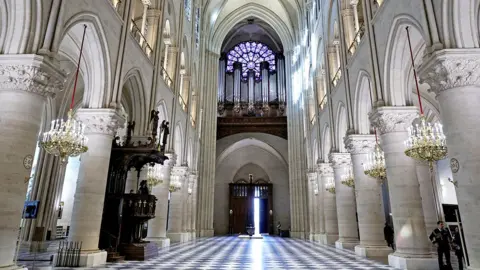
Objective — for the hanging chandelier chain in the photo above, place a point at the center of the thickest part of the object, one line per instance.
(414, 71)
(78, 66)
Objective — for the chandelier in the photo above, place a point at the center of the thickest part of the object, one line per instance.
(175, 185)
(67, 138)
(330, 186)
(375, 165)
(426, 142)
(154, 176)
(348, 179)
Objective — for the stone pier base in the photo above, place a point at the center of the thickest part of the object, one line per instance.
(372, 252)
(409, 263)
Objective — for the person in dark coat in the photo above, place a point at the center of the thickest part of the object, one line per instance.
(457, 244)
(441, 238)
(143, 188)
(389, 235)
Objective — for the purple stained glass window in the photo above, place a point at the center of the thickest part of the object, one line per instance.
(251, 54)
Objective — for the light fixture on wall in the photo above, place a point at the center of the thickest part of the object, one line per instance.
(190, 188)
(426, 142)
(154, 176)
(175, 185)
(348, 179)
(315, 189)
(330, 186)
(67, 138)
(375, 165)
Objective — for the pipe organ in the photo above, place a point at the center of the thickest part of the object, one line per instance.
(251, 82)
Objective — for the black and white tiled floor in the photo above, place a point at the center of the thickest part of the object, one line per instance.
(235, 253)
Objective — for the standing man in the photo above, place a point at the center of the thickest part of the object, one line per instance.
(389, 235)
(441, 238)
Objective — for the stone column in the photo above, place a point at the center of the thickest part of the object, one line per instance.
(101, 125)
(312, 179)
(175, 215)
(336, 43)
(349, 27)
(146, 4)
(346, 206)
(453, 76)
(25, 81)
(413, 247)
(368, 191)
(332, 55)
(157, 227)
(426, 192)
(319, 210)
(192, 211)
(153, 22)
(329, 205)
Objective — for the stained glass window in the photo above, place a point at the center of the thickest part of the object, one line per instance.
(251, 54)
(197, 27)
(188, 9)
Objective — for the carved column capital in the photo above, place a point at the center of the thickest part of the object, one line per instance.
(393, 119)
(360, 144)
(30, 73)
(312, 176)
(325, 169)
(100, 121)
(451, 68)
(340, 159)
(179, 173)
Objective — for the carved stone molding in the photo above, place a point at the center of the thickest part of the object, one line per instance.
(340, 159)
(31, 73)
(359, 144)
(325, 169)
(451, 68)
(393, 119)
(312, 176)
(100, 121)
(179, 173)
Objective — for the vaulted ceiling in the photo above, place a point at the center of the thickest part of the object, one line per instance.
(280, 15)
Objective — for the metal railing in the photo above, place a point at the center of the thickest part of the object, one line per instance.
(68, 254)
(356, 40)
(337, 77)
(323, 102)
(182, 103)
(166, 77)
(142, 41)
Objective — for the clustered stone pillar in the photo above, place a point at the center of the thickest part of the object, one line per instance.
(413, 247)
(191, 205)
(346, 206)
(312, 179)
(25, 82)
(329, 205)
(453, 76)
(371, 218)
(319, 209)
(175, 216)
(157, 227)
(101, 125)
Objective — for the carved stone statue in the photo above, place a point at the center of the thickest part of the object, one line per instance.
(164, 130)
(130, 130)
(154, 120)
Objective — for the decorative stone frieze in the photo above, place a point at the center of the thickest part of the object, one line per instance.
(359, 144)
(325, 169)
(100, 121)
(447, 69)
(393, 119)
(340, 159)
(31, 73)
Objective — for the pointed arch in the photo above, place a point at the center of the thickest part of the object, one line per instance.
(133, 92)
(178, 143)
(326, 143)
(341, 127)
(362, 104)
(96, 62)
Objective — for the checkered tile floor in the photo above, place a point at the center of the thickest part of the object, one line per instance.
(235, 253)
